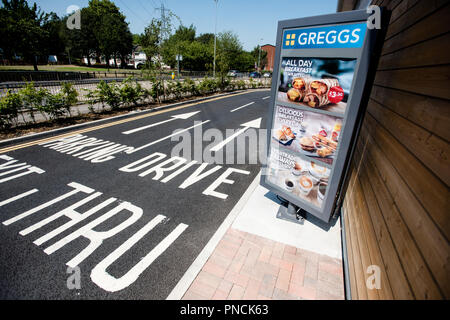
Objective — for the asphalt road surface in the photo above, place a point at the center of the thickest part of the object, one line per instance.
(108, 205)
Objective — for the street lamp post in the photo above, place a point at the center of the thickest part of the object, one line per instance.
(259, 57)
(215, 41)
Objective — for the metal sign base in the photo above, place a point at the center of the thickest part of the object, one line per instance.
(292, 213)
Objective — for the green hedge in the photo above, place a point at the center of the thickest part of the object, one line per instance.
(109, 96)
(30, 100)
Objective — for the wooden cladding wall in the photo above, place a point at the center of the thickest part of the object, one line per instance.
(397, 206)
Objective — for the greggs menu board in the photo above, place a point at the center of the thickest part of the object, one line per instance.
(314, 109)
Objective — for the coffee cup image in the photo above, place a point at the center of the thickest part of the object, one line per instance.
(314, 179)
(321, 190)
(297, 169)
(289, 184)
(306, 184)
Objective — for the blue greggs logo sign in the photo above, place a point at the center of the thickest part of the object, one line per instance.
(339, 36)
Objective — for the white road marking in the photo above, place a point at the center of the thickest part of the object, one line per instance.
(104, 280)
(5, 157)
(251, 124)
(183, 116)
(211, 190)
(78, 187)
(20, 196)
(74, 216)
(23, 167)
(168, 137)
(195, 268)
(266, 98)
(96, 238)
(248, 104)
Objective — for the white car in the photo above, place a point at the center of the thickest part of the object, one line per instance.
(232, 73)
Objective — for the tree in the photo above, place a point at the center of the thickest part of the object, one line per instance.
(229, 50)
(206, 38)
(23, 32)
(104, 31)
(54, 42)
(177, 44)
(111, 30)
(256, 56)
(151, 41)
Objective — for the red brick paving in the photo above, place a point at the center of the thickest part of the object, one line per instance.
(245, 266)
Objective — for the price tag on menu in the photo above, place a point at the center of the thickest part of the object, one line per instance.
(336, 94)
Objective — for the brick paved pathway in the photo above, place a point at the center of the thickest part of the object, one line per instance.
(244, 266)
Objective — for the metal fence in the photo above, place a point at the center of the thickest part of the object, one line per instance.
(54, 87)
(38, 76)
(84, 85)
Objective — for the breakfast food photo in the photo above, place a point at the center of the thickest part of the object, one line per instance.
(305, 180)
(316, 83)
(317, 93)
(307, 133)
(285, 135)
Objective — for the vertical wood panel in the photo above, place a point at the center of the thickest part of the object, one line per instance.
(397, 205)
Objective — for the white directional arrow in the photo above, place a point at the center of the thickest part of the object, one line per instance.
(251, 124)
(178, 132)
(183, 116)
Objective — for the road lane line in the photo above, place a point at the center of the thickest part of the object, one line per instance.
(110, 124)
(248, 104)
(266, 98)
(184, 116)
(168, 137)
(147, 127)
(20, 196)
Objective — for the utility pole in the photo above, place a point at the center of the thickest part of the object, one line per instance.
(215, 41)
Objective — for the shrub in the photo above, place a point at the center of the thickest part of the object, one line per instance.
(240, 84)
(207, 85)
(34, 99)
(190, 86)
(106, 94)
(55, 105)
(130, 92)
(223, 83)
(178, 90)
(10, 105)
(70, 96)
(157, 90)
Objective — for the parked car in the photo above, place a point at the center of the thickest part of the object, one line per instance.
(267, 75)
(255, 75)
(233, 73)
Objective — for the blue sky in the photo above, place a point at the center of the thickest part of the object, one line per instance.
(251, 20)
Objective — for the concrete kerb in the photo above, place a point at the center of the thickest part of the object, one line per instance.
(8, 142)
(191, 273)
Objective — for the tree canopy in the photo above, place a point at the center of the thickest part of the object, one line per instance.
(26, 31)
(30, 34)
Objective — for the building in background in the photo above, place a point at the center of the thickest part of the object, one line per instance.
(270, 49)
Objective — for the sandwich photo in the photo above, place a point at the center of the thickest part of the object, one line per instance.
(284, 135)
(317, 95)
(319, 83)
